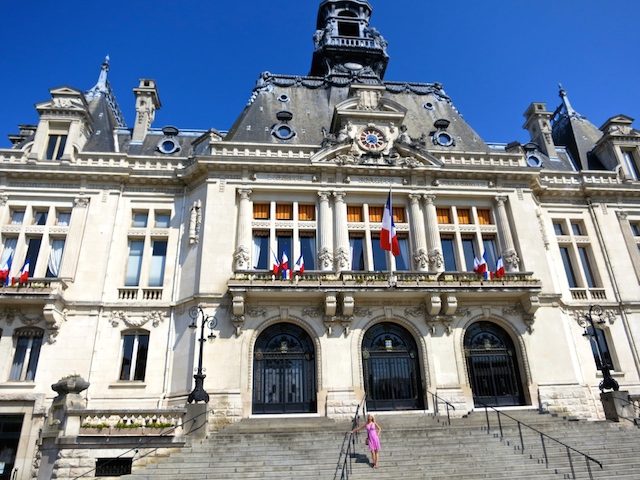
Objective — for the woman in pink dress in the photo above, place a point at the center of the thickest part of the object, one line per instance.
(373, 437)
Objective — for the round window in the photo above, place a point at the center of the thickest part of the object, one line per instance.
(283, 132)
(283, 98)
(428, 106)
(168, 145)
(534, 161)
(444, 139)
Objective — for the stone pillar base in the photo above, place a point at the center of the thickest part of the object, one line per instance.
(617, 406)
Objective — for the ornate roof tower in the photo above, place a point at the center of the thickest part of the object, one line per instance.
(344, 41)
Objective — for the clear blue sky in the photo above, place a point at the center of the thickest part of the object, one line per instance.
(494, 57)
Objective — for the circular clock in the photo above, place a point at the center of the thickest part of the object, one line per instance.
(372, 139)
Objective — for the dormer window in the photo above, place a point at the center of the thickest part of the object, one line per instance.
(55, 146)
(630, 164)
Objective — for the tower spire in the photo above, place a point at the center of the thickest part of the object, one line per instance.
(100, 88)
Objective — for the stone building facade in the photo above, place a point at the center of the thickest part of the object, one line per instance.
(119, 232)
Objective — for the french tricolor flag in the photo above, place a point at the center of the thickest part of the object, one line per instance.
(4, 271)
(499, 267)
(284, 266)
(24, 273)
(388, 236)
(276, 264)
(480, 266)
(299, 266)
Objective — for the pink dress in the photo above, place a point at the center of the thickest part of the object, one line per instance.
(374, 441)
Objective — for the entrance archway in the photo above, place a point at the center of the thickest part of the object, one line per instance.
(284, 379)
(391, 369)
(493, 366)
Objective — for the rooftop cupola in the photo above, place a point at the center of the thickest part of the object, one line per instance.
(344, 41)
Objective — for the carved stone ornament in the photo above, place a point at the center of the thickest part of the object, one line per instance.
(436, 259)
(435, 320)
(81, 202)
(10, 315)
(421, 259)
(580, 316)
(331, 321)
(118, 316)
(418, 312)
(511, 261)
(238, 323)
(342, 258)
(314, 312)
(242, 258)
(195, 222)
(256, 312)
(325, 257)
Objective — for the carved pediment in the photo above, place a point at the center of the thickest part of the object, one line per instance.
(64, 98)
(343, 154)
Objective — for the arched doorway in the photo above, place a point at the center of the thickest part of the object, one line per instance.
(493, 366)
(284, 379)
(391, 369)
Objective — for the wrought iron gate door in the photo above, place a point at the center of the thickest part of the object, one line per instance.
(284, 371)
(492, 365)
(391, 369)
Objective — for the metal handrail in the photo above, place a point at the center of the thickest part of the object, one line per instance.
(542, 440)
(347, 463)
(434, 399)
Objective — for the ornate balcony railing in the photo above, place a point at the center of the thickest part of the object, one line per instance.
(588, 294)
(370, 280)
(34, 286)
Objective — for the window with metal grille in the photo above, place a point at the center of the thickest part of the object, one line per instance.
(113, 467)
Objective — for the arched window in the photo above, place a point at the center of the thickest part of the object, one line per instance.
(28, 342)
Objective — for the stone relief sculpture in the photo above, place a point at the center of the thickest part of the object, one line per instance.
(195, 222)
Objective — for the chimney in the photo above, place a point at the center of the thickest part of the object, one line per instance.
(147, 102)
(539, 126)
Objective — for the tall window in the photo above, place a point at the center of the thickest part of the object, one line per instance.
(403, 262)
(576, 255)
(55, 146)
(295, 233)
(261, 255)
(629, 160)
(147, 258)
(55, 258)
(467, 233)
(33, 250)
(134, 264)
(158, 260)
(356, 244)
(28, 342)
(135, 348)
(17, 217)
(600, 348)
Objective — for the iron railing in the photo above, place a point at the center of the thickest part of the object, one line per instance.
(350, 438)
(435, 398)
(544, 440)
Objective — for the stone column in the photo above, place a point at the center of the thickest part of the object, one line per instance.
(72, 243)
(436, 259)
(325, 244)
(509, 255)
(242, 255)
(420, 256)
(342, 256)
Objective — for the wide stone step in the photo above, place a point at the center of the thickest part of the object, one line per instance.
(413, 447)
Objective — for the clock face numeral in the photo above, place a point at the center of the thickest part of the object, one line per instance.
(372, 139)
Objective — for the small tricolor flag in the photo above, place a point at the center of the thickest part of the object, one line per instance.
(388, 236)
(299, 266)
(499, 268)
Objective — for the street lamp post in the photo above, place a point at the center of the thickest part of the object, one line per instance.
(608, 382)
(198, 394)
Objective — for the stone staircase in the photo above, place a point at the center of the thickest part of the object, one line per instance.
(414, 446)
